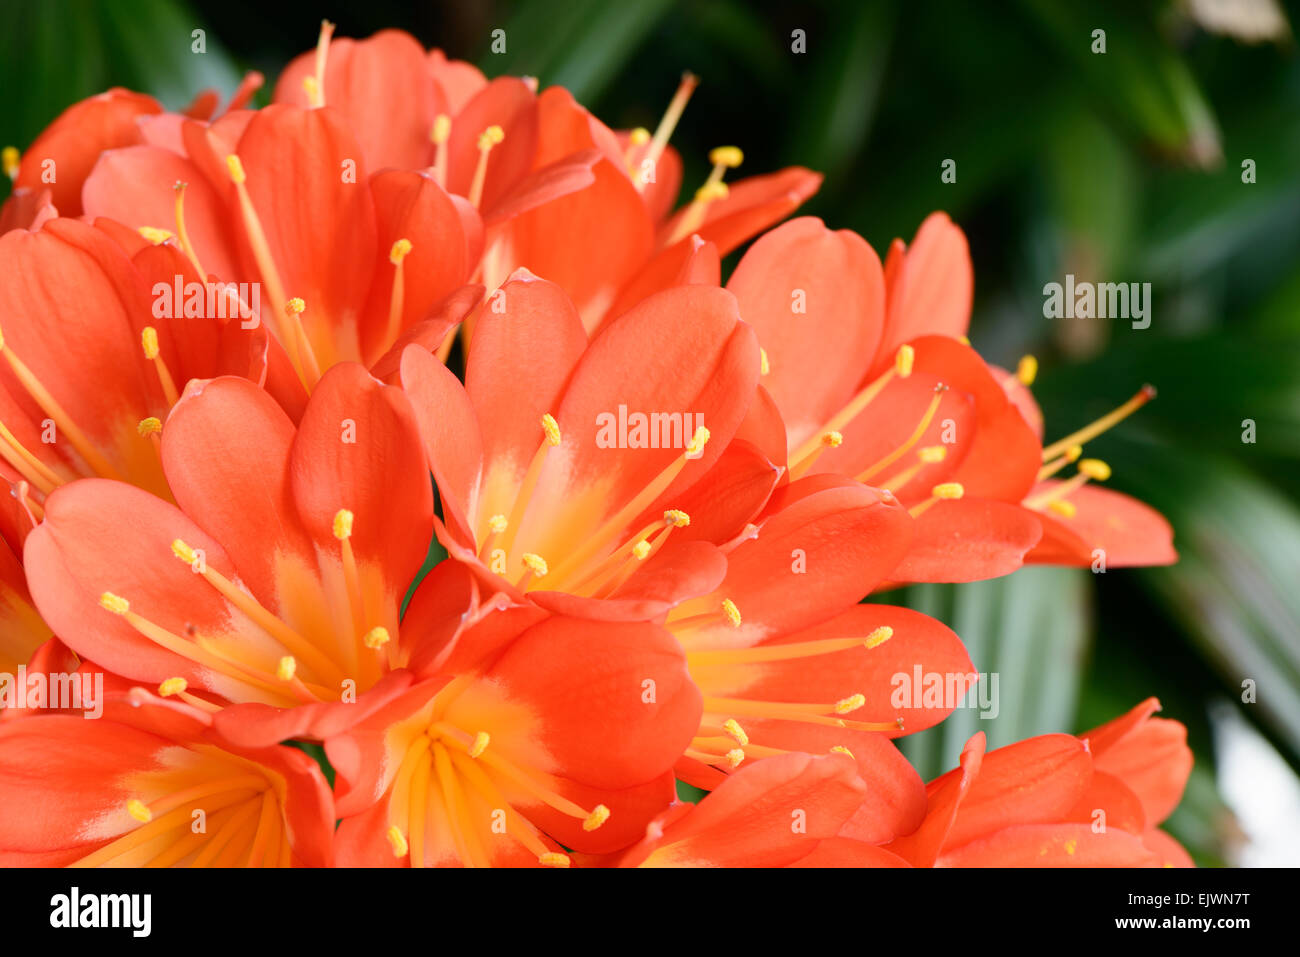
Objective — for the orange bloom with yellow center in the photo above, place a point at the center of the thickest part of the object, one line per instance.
(152, 784)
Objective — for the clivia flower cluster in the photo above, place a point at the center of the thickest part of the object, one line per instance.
(257, 362)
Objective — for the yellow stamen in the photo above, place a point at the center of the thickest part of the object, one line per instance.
(553, 859)
(114, 603)
(926, 418)
(235, 167)
(149, 342)
(733, 728)
(598, 816)
(1051, 468)
(138, 810)
(490, 137)
(731, 611)
(155, 235)
(9, 158)
(1027, 370)
(287, 668)
(840, 749)
(552, 430)
(664, 131)
(879, 636)
(1088, 432)
(536, 564)
(399, 251)
(1062, 508)
(726, 156)
(1095, 469)
(322, 58)
(677, 518)
(851, 703)
(397, 842)
(182, 233)
(397, 296)
(481, 741)
(149, 426)
(343, 524)
(641, 550)
(498, 523)
(439, 135)
(948, 490)
(695, 448)
(172, 686)
(764, 366)
(376, 637)
(94, 458)
(904, 358)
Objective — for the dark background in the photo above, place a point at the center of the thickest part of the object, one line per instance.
(1124, 166)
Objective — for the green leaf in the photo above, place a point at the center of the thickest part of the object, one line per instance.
(1139, 77)
(1026, 634)
(581, 45)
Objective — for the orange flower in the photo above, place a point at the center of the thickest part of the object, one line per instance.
(153, 784)
(866, 377)
(278, 577)
(587, 476)
(1060, 801)
(87, 370)
(783, 811)
(788, 661)
(344, 264)
(549, 166)
(505, 754)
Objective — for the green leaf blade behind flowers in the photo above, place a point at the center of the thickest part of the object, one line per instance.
(1030, 630)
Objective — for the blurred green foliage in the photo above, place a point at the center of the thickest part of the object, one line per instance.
(1118, 166)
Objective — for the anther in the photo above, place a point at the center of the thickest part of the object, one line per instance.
(172, 686)
(399, 251)
(342, 524)
(1095, 469)
(598, 816)
(1027, 370)
(376, 637)
(287, 668)
(695, 448)
(676, 518)
(903, 360)
(731, 611)
(138, 810)
(879, 636)
(114, 603)
(183, 552)
(481, 741)
(849, 704)
(149, 342)
(151, 425)
(552, 430)
(733, 728)
(397, 842)
(948, 490)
